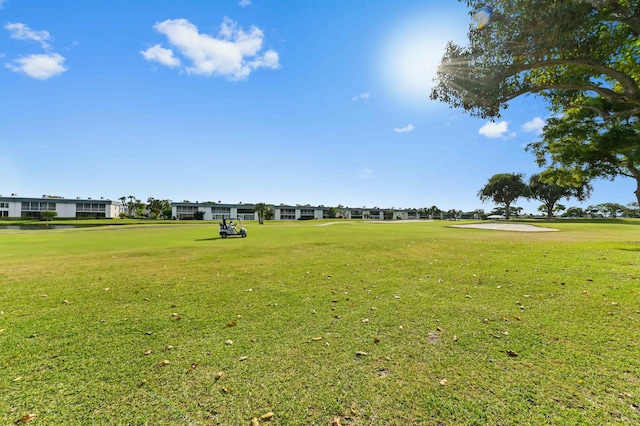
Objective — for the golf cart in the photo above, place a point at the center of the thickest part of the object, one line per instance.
(233, 228)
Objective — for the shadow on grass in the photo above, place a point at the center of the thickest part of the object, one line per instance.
(219, 238)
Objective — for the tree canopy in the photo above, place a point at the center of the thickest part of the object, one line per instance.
(572, 52)
(586, 147)
(504, 188)
(549, 193)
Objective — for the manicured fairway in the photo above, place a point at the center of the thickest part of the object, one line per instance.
(371, 323)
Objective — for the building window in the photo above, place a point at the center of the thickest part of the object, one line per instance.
(307, 214)
(287, 214)
(32, 209)
(186, 212)
(223, 210)
(36, 206)
(93, 210)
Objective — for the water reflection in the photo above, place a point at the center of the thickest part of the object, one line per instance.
(43, 227)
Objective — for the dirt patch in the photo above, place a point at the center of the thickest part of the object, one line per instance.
(516, 227)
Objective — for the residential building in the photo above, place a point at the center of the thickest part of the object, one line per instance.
(32, 208)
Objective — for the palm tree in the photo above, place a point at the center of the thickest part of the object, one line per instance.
(263, 210)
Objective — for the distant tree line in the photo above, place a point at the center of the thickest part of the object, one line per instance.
(505, 188)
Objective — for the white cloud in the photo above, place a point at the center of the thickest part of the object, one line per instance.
(406, 129)
(20, 31)
(361, 97)
(234, 53)
(534, 125)
(495, 130)
(244, 3)
(42, 67)
(365, 174)
(160, 54)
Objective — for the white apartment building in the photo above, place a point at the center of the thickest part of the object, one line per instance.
(32, 208)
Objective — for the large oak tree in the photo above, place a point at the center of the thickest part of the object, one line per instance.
(504, 189)
(549, 192)
(586, 147)
(568, 51)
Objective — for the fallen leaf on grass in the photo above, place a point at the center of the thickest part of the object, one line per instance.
(361, 353)
(149, 352)
(266, 416)
(228, 342)
(316, 338)
(27, 418)
(455, 338)
(444, 382)
(231, 324)
(243, 358)
(226, 389)
(219, 375)
(376, 339)
(336, 422)
(168, 348)
(66, 302)
(163, 363)
(17, 379)
(366, 320)
(512, 353)
(254, 422)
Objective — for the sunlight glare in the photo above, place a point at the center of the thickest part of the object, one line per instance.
(409, 56)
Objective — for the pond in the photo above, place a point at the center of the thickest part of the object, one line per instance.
(43, 227)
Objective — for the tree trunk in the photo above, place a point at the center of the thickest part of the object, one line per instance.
(507, 210)
(636, 175)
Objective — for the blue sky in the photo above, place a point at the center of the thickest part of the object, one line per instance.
(294, 102)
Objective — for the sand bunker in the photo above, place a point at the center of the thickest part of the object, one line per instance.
(517, 227)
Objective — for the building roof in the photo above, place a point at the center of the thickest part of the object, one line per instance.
(17, 199)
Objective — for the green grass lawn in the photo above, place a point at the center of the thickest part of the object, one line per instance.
(371, 323)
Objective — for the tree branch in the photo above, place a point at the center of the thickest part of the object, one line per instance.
(624, 15)
(628, 84)
(604, 92)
